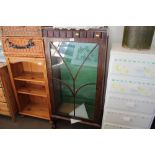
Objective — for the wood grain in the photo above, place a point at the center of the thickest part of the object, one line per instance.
(29, 80)
(9, 101)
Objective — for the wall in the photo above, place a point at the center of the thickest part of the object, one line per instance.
(116, 35)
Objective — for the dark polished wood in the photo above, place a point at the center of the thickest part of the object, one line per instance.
(73, 33)
(84, 36)
(81, 121)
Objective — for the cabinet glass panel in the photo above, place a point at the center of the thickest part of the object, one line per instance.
(74, 74)
(2, 58)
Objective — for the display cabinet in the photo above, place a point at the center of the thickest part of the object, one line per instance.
(76, 72)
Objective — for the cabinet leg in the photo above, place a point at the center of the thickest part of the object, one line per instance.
(53, 124)
(13, 117)
(50, 122)
(22, 116)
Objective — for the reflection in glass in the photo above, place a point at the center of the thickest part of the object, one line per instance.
(2, 58)
(74, 71)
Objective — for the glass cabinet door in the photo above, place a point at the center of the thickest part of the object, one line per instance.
(74, 75)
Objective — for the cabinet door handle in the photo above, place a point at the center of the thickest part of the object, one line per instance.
(30, 44)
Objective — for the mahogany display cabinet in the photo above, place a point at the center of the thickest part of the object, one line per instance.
(76, 61)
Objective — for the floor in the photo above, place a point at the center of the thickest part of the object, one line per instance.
(24, 122)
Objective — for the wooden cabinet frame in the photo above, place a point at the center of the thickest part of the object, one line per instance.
(8, 92)
(100, 78)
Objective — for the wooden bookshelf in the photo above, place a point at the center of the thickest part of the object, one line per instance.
(36, 110)
(32, 91)
(31, 77)
(30, 84)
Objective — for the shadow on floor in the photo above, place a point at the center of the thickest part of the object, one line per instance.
(24, 122)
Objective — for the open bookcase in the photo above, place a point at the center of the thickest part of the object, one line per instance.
(30, 84)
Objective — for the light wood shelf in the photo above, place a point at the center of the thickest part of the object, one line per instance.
(32, 91)
(39, 110)
(31, 77)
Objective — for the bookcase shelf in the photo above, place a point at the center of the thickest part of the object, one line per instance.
(29, 80)
(36, 109)
(32, 91)
(31, 77)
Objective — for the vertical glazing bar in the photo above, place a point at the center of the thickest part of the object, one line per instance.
(74, 95)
